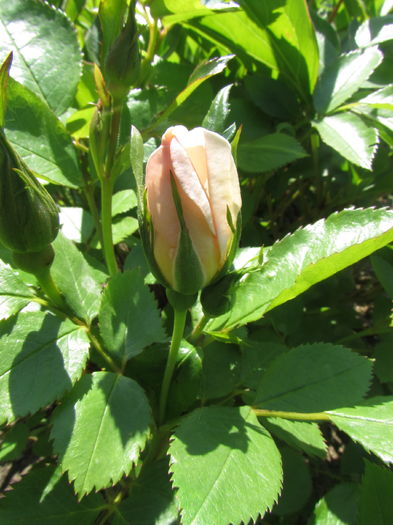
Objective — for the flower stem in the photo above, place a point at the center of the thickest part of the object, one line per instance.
(300, 416)
(195, 334)
(45, 280)
(178, 330)
(106, 225)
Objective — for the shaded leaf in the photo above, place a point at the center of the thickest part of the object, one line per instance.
(269, 152)
(14, 442)
(375, 494)
(229, 454)
(338, 507)
(60, 507)
(202, 72)
(129, 317)
(314, 378)
(151, 500)
(297, 483)
(100, 429)
(289, 29)
(40, 358)
(350, 136)
(302, 435)
(344, 77)
(77, 280)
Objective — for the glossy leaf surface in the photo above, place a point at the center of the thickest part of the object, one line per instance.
(228, 453)
(47, 57)
(100, 429)
(304, 258)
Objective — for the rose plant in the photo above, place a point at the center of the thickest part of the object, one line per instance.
(229, 361)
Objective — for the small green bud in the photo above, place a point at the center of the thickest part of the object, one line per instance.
(29, 218)
(123, 60)
(217, 298)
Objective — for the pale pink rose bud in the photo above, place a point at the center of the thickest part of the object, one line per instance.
(193, 203)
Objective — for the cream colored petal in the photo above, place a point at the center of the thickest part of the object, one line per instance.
(188, 180)
(163, 211)
(194, 143)
(224, 189)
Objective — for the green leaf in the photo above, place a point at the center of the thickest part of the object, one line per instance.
(14, 442)
(100, 430)
(314, 378)
(186, 383)
(40, 138)
(14, 293)
(256, 357)
(228, 453)
(129, 318)
(297, 483)
(269, 152)
(218, 112)
(77, 280)
(136, 154)
(4, 79)
(202, 72)
(381, 99)
(151, 500)
(338, 507)
(302, 435)
(123, 201)
(47, 58)
(40, 359)
(384, 271)
(375, 31)
(220, 370)
(370, 424)
(22, 505)
(291, 34)
(375, 496)
(344, 77)
(304, 258)
(350, 136)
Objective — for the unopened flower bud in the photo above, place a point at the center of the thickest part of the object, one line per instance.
(192, 211)
(29, 219)
(123, 60)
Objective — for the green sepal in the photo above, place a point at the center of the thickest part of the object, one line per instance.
(146, 229)
(188, 274)
(98, 138)
(4, 76)
(29, 218)
(179, 301)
